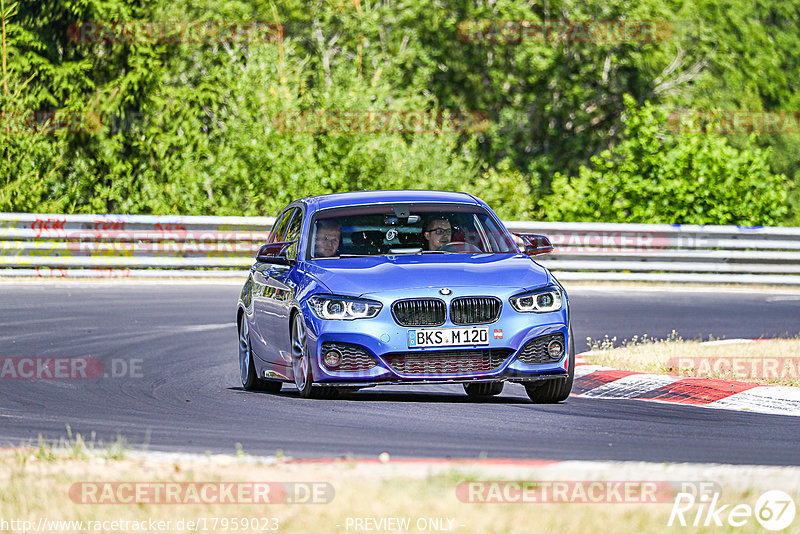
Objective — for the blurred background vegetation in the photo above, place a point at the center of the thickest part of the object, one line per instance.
(578, 131)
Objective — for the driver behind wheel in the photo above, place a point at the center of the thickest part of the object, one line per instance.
(438, 232)
(327, 238)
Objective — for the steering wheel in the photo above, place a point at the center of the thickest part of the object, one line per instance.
(459, 246)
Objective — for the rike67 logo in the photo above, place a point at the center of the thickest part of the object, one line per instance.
(774, 510)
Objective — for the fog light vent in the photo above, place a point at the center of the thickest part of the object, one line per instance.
(332, 358)
(555, 349)
(543, 349)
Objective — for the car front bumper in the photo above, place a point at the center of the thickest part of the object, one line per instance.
(383, 341)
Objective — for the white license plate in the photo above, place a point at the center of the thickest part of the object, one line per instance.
(446, 337)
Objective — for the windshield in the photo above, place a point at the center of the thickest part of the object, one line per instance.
(407, 229)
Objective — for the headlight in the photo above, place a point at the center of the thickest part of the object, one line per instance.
(333, 307)
(548, 299)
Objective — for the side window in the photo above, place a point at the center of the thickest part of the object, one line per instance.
(293, 232)
(281, 223)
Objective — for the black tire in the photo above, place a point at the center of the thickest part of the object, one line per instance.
(259, 384)
(305, 384)
(311, 391)
(484, 390)
(272, 386)
(557, 390)
(250, 379)
(324, 392)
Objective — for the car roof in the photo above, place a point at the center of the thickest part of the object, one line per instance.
(355, 198)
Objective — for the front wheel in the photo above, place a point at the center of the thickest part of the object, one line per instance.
(301, 364)
(557, 390)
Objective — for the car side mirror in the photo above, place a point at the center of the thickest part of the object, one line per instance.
(275, 253)
(536, 244)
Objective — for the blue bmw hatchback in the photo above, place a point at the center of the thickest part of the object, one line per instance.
(402, 287)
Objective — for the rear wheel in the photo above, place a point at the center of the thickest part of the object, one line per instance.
(247, 369)
(484, 389)
(557, 390)
(301, 364)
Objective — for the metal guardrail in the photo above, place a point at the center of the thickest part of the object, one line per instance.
(52, 245)
(664, 252)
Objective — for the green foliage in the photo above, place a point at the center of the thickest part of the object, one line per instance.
(198, 132)
(194, 127)
(655, 177)
(512, 195)
(750, 52)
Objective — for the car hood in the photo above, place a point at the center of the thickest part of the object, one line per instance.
(359, 276)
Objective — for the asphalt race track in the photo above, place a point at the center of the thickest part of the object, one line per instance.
(184, 393)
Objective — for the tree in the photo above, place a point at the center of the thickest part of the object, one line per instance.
(654, 176)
